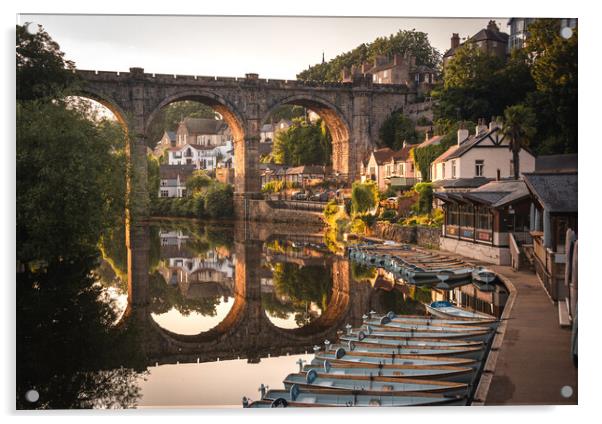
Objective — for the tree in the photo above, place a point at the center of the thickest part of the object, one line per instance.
(364, 197)
(404, 41)
(42, 71)
(425, 201)
(198, 182)
(303, 143)
(554, 71)
(219, 201)
(396, 129)
(519, 126)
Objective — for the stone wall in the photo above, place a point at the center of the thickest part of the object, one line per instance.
(481, 252)
(422, 236)
(260, 210)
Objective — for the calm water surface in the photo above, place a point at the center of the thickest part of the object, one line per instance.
(221, 309)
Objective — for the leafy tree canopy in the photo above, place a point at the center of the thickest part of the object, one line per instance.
(396, 129)
(42, 71)
(364, 197)
(304, 143)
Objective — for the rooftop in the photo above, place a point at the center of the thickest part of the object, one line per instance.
(204, 125)
(556, 191)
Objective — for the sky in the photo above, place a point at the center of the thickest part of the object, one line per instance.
(273, 47)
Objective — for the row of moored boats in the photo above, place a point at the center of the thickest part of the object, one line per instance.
(393, 360)
(423, 267)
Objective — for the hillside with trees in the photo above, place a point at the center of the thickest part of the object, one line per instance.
(404, 41)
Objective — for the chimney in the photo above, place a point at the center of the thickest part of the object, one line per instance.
(404, 144)
(481, 127)
(455, 40)
(462, 134)
(397, 59)
(494, 123)
(492, 26)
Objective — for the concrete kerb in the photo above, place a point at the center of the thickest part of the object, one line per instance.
(488, 372)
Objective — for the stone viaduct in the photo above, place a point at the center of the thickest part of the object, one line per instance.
(353, 113)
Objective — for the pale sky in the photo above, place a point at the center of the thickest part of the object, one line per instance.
(273, 47)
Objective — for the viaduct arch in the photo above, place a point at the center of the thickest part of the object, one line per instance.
(352, 111)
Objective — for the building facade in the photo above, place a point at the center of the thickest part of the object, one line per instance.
(477, 159)
(489, 40)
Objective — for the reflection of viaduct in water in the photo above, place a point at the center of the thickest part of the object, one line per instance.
(246, 331)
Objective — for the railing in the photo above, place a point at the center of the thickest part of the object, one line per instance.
(300, 205)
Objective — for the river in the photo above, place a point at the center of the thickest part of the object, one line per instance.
(222, 308)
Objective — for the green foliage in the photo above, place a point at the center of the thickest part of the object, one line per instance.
(70, 180)
(388, 215)
(300, 286)
(42, 71)
(425, 201)
(153, 178)
(361, 272)
(289, 112)
(303, 143)
(164, 297)
(273, 186)
(519, 127)
(198, 182)
(396, 129)
(414, 42)
(364, 197)
(389, 192)
(423, 121)
(331, 209)
(542, 76)
(219, 201)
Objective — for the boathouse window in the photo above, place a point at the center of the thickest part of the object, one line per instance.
(453, 215)
(478, 165)
(484, 221)
(466, 216)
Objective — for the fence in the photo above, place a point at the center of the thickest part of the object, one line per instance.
(299, 205)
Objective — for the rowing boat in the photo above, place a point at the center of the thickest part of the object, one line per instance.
(368, 340)
(344, 398)
(409, 334)
(386, 324)
(446, 309)
(388, 351)
(388, 385)
(440, 372)
(395, 359)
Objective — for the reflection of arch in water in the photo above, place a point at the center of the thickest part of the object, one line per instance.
(210, 304)
(335, 311)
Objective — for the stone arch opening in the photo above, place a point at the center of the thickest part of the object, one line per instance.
(231, 138)
(338, 126)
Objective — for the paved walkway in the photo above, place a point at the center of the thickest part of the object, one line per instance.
(534, 361)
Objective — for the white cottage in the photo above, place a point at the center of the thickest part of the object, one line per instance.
(477, 159)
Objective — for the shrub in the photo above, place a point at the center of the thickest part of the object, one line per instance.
(364, 196)
(219, 201)
(388, 215)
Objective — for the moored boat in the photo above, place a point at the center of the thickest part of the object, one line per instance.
(441, 372)
(375, 384)
(446, 309)
(327, 397)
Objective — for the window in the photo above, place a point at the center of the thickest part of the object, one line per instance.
(388, 170)
(453, 169)
(443, 171)
(484, 220)
(183, 192)
(478, 167)
(164, 193)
